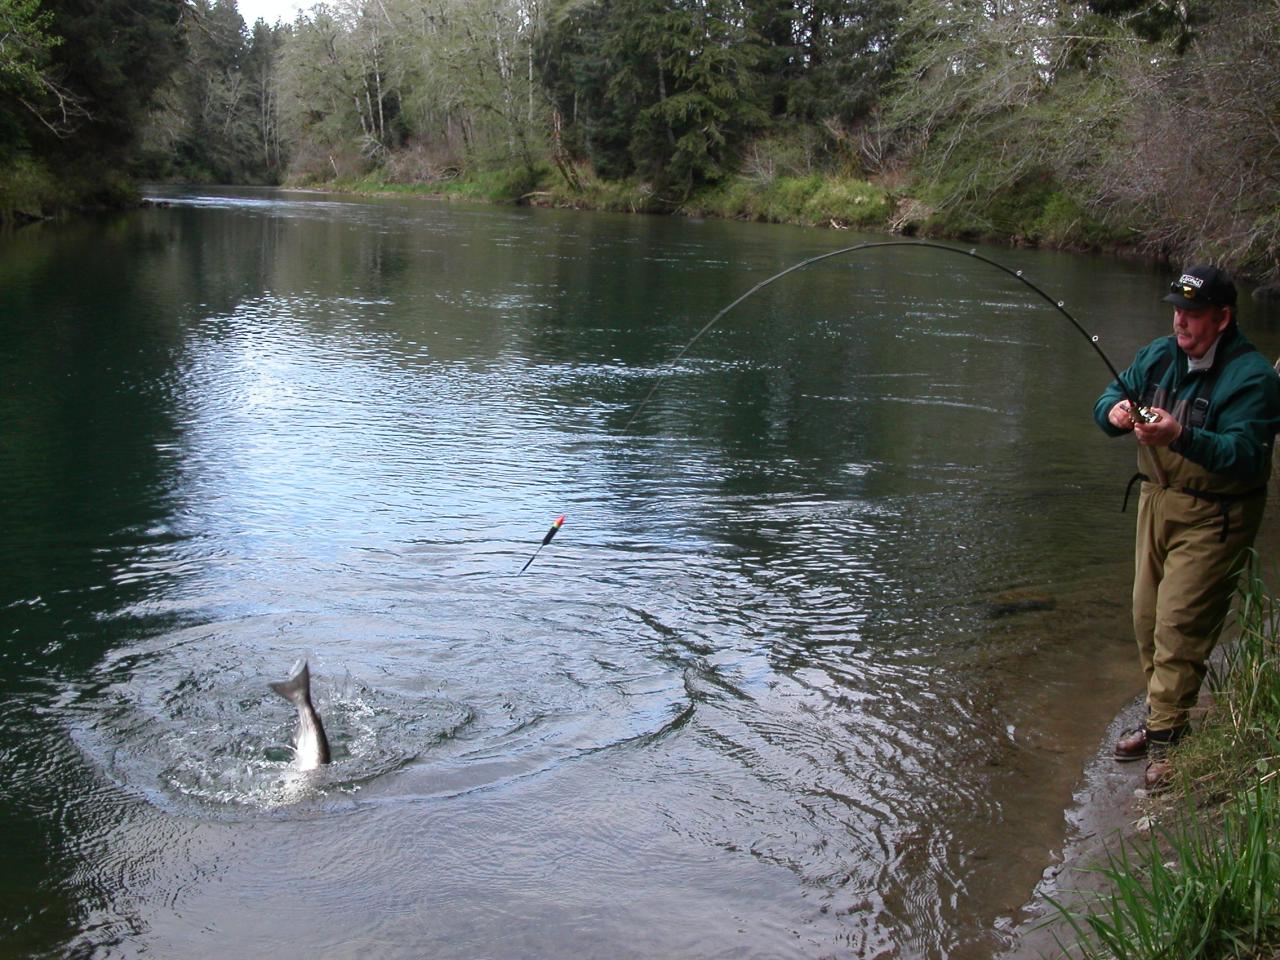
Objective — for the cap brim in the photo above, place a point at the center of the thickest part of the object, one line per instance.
(1178, 300)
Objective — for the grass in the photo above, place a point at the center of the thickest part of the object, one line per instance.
(505, 184)
(31, 189)
(1208, 885)
(813, 200)
(28, 191)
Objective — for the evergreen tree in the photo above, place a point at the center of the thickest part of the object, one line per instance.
(848, 48)
(1153, 20)
(665, 89)
(114, 56)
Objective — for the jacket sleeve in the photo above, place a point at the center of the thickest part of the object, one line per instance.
(1134, 379)
(1244, 428)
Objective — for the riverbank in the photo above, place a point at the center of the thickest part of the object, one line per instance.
(1042, 216)
(1194, 872)
(31, 191)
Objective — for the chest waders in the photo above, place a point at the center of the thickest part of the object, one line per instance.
(1191, 532)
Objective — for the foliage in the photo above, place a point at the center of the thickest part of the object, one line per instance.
(1155, 119)
(113, 84)
(216, 118)
(78, 79)
(847, 51)
(975, 100)
(665, 90)
(25, 42)
(1154, 20)
(815, 200)
(27, 190)
(1246, 687)
(450, 77)
(1196, 155)
(1218, 897)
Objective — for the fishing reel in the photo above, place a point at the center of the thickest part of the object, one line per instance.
(1143, 415)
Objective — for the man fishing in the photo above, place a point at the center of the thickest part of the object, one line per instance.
(1209, 413)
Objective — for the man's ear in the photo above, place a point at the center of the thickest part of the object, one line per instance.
(1228, 314)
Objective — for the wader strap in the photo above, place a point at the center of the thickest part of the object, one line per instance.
(1199, 411)
(1128, 489)
(1225, 500)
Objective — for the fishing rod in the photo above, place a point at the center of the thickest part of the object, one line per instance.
(1137, 410)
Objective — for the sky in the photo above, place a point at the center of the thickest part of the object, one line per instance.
(270, 10)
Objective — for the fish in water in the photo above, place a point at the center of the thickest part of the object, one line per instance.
(312, 746)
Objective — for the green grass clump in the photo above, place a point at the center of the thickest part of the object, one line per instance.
(1239, 740)
(29, 191)
(32, 189)
(1209, 886)
(812, 200)
(617, 196)
(503, 184)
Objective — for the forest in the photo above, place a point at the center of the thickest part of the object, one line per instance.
(1150, 126)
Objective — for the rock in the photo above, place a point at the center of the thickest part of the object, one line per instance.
(1267, 293)
(1018, 601)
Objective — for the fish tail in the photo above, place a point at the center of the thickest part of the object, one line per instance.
(297, 689)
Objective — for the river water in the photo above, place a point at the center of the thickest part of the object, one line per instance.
(811, 671)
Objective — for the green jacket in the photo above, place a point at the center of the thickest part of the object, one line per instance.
(1227, 435)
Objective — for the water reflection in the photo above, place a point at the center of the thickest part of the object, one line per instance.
(752, 691)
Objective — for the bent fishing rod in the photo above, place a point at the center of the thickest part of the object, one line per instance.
(1138, 411)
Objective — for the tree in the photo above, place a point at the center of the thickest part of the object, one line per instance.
(665, 89)
(847, 49)
(977, 101)
(114, 57)
(260, 62)
(27, 86)
(476, 60)
(336, 94)
(1195, 158)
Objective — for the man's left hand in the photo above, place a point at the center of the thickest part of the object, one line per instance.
(1159, 434)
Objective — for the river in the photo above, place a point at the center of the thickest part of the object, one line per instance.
(811, 670)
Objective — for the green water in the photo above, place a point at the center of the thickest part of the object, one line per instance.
(754, 700)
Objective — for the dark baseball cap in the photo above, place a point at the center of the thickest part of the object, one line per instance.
(1200, 287)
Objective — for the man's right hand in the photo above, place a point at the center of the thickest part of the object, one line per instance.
(1121, 416)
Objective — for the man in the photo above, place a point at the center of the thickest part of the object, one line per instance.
(1204, 457)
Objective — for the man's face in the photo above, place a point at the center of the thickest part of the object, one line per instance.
(1196, 330)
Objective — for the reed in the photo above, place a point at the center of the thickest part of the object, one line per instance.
(1207, 885)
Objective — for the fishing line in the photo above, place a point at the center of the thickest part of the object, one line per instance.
(1058, 305)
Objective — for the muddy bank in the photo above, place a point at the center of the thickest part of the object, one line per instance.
(1104, 811)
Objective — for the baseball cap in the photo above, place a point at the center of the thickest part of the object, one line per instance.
(1200, 287)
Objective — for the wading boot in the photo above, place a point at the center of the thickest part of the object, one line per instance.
(1132, 745)
(1158, 775)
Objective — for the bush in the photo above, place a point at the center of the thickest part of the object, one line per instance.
(28, 191)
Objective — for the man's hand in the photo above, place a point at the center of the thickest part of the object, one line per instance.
(1121, 416)
(1163, 432)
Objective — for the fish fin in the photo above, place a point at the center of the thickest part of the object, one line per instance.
(297, 689)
